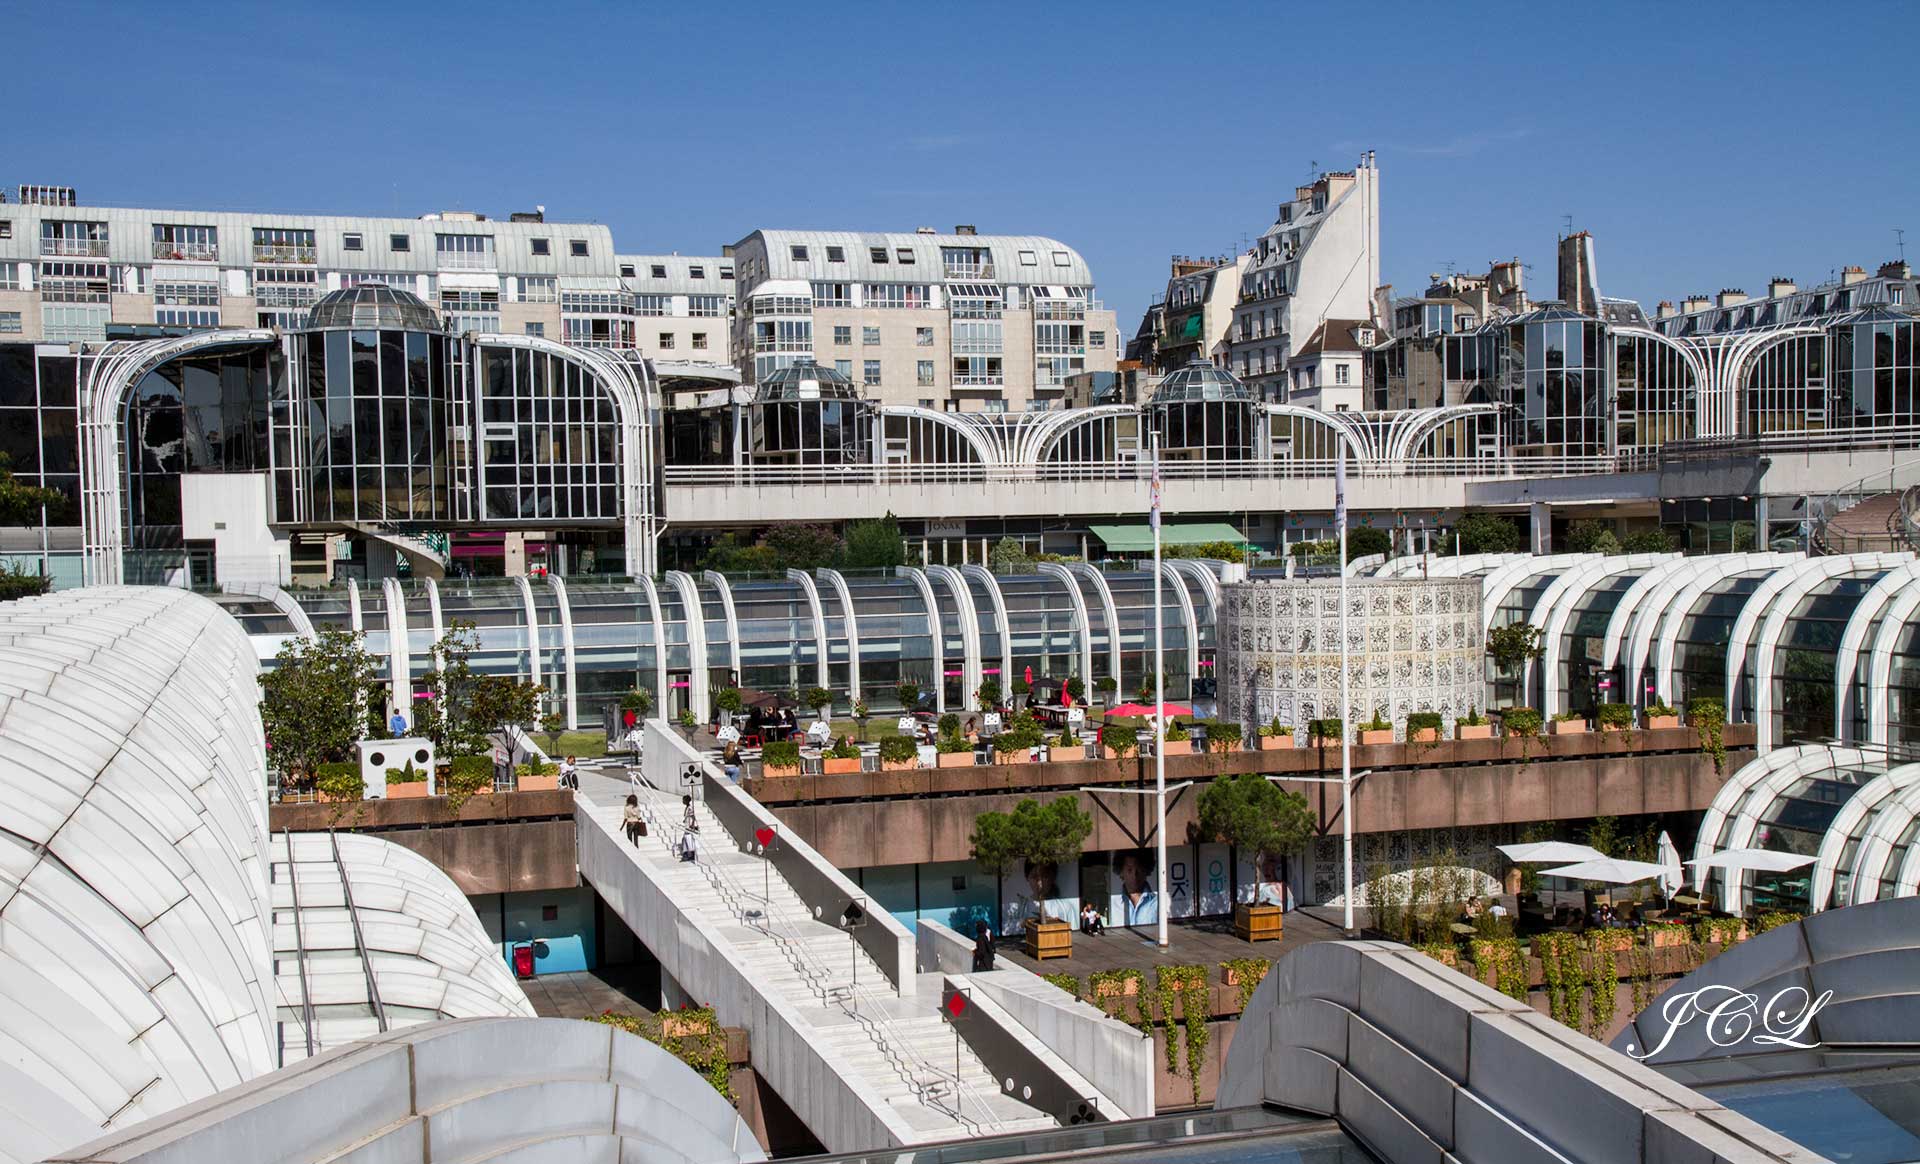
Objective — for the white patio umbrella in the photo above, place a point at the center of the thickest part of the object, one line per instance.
(1610, 870)
(1669, 858)
(1534, 852)
(1738, 861)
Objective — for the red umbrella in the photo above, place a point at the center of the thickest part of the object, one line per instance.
(1130, 709)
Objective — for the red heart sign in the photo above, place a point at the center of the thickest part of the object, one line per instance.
(764, 836)
(956, 1004)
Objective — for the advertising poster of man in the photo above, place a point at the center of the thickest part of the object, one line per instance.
(1133, 901)
(1056, 892)
(1266, 885)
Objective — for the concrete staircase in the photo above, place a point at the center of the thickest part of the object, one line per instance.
(898, 1047)
(1871, 524)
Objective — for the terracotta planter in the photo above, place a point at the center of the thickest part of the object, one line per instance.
(1659, 722)
(412, 790)
(834, 766)
(548, 783)
(1663, 937)
(898, 765)
(956, 759)
(329, 798)
(1275, 743)
(1474, 731)
(1446, 957)
(1616, 940)
(675, 1027)
(1113, 755)
(1179, 748)
(1424, 736)
(1018, 756)
(771, 770)
(1567, 727)
(1125, 989)
(1380, 736)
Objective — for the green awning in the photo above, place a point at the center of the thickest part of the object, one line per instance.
(1138, 538)
(1192, 329)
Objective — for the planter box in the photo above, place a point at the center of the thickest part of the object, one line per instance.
(770, 771)
(1381, 736)
(1663, 937)
(898, 765)
(1015, 757)
(1113, 755)
(1257, 923)
(1658, 722)
(1114, 989)
(1567, 727)
(1178, 748)
(840, 767)
(1474, 731)
(1446, 957)
(547, 783)
(956, 759)
(1616, 940)
(1275, 743)
(675, 1027)
(1424, 736)
(412, 790)
(1049, 938)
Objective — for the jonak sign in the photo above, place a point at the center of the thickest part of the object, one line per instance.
(1730, 1017)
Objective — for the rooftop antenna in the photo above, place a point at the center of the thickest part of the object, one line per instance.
(1900, 240)
(1566, 220)
(1313, 167)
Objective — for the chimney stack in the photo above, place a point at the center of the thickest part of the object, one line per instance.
(1730, 297)
(1693, 303)
(1664, 309)
(1851, 275)
(1780, 286)
(1897, 269)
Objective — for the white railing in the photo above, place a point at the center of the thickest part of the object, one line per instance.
(74, 248)
(864, 475)
(961, 271)
(186, 252)
(999, 381)
(284, 253)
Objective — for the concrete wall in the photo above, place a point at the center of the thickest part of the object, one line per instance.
(1027, 1068)
(506, 842)
(818, 882)
(841, 1111)
(230, 509)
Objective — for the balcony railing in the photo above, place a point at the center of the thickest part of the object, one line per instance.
(186, 252)
(1490, 467)
(74, 248)
(464, 260)
(1063, 308)
(284, 253)
(1052, 349)
(998, 380)
(970, 271)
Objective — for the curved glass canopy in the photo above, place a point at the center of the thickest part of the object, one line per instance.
(369, 306)
(806, 380)
(1198, 380)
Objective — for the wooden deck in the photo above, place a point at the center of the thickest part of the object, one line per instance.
(1204, 943)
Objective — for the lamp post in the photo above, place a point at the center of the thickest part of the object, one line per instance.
(1346, 696)
(1159, 707)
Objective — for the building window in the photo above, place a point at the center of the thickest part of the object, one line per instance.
(886, 295)
(842, 336)
(870, 337)
(84, 240)
(626, 271)
(577, 247)
(467, 252)
(191, 243)
(870, 373)
(6, 231)
(9, 323)
(700, 341)
(799, 253)
(539, 329)
(836, 254)
(277, 245)
(653, 305)
(1029, 259)
(659, 270)
(832, 295)
(666, 340)
(399, 243)
(351, 242)
(844, 367)
(186, 317)
(1096, 339)
(696, 272)
(922, 337)
(1340, 373)
(923, 372)
(541, 246)
(539, 289)
(1896, 293)
(926, 402)
(877, 254)
(1062, 259)
(726, 272)
(904, 255)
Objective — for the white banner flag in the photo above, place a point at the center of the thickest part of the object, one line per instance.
(1340, 489)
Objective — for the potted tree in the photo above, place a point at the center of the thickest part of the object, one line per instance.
(898, 754)
(820, 700)
(1011, 747)
(339, 781)
(952, 749)
(780, 758)
(840, 759)
(687, 723)
(1256, 816)
(1077, 689)
(860, 718)
(1179, 741)
(728, 701)
(533, 776)
(1106, 685)
(909, 694)
(1223, 736)
(1378, 730)
(1275, 735)
(1038, 839)
(1119, 738)
(989, 693)
(1473, 727)
(1614, 717)
(1021, 686)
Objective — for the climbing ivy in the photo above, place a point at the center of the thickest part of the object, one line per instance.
(1708, 716)
(1110, 993)
(1187, 985)
(1561, 968)
(1067, 982)
(1602, 981)
(704, 1050)
(1249, 972)
(1508, 962)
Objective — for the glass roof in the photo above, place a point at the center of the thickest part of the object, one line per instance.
(1245, 1135)
(1869, 1114)
(370, 306)
(1199, 380)
(806, 380)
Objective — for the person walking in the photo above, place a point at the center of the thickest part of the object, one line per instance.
(631, 820)
(982, 948)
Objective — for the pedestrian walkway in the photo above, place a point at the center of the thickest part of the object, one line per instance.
(897, 1048)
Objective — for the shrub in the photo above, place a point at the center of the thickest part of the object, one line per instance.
(464, 781)
(1022, 687)
(534, 767)
(1076, 689)
(1521, 721)
(1422, 720)
(1708, 716)
(1474, 718)
(728, 699)
(406, 775)
(1106, 683)
(1275, 729)
(639, 701)
(1324, 729)
(897, 748)
(820, 700)
(1067, 739)
(1379, 722)
(909, 694)
(1659, 708)
(989, 692)
(949, 724)
(951, 743)
(844, 749)
(780, 754)
(1006, 743)
(1122, 741)
(1177, 731)
(1567, 716)
(1223, 735)
(1614, 715)
(341, 780)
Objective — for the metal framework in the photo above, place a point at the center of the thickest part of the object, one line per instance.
(1078, 601)
(970, 666)
(849, 625)
(698, 699)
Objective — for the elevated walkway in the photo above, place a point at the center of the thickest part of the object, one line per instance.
(856, 1043)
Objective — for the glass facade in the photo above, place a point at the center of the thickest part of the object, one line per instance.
(372, 406)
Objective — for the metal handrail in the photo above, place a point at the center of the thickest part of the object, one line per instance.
(299, 944)
(359, 938)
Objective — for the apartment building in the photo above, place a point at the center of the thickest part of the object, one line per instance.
(68, 271)
(1318, 263)
(1197, 315)
(682, 306)
(960, 322)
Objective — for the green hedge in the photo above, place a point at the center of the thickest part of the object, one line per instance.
(780, 754)
(897, 748)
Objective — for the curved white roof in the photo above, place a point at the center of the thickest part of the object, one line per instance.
(1024, 259)
(137, 919)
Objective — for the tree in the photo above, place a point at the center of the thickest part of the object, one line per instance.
(989, 693)
(909, 694)
(1514, 644)
(312, 702)
(20, 584)
(875, 544)
(1592, 537)
(639, 701)
(1653, 540)
(1033, 834)
(21, 504)
(466, 707)
(1008, 556)
(1484, 533)
(553, 725)
(1256, 816)
(1365, 540)
(1220, 551)
(820, 699)
(802, 546)
(728, 699)
(730, 555)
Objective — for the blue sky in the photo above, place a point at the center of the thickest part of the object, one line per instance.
(1704, 145)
